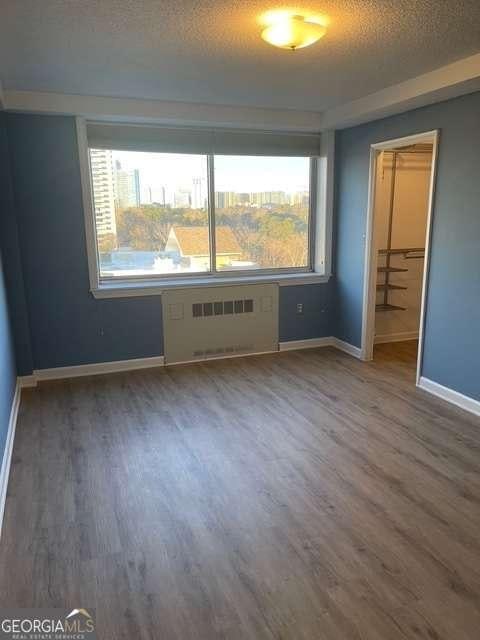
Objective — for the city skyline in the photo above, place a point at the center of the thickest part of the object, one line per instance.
(161, 175)
(118, 183)
(267, 226)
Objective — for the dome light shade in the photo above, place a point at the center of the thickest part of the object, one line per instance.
(293, 31)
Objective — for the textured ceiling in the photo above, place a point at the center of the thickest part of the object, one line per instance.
(210, 51)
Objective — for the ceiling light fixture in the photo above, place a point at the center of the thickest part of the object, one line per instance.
(292, 30)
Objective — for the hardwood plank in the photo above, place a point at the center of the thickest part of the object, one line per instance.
(302, 495)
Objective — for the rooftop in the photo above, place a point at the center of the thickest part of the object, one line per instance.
(194, 241)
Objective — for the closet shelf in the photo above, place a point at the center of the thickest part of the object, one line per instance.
(390, 252)
(390, 270)
(390, 287)
(384, 252)
(389, 307)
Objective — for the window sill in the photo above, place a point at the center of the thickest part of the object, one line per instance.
(125, 289)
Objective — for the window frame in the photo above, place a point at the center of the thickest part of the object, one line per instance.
(319, 239)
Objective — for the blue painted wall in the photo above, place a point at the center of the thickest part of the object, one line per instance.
(12, 262)
(8, 372)
(67, 325)
(452, 338)
(315, 322)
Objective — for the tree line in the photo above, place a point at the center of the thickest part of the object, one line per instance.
(271, 236)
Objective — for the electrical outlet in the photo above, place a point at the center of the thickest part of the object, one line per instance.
(299, 308)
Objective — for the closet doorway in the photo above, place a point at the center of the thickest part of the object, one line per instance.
(402, 178)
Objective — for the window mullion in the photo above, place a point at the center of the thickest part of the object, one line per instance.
(211, 212)
(312, 212)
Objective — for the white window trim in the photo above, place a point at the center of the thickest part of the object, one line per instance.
(320, 240)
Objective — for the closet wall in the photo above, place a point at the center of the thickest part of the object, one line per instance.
(410, 207)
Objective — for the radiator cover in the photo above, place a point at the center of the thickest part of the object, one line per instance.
(218, 322)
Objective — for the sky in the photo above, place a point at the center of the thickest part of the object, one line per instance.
(232, 173)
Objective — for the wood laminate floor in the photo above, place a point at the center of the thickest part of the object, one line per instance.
(298, 496)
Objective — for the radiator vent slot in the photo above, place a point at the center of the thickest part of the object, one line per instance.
(221, 308)
(221, 351)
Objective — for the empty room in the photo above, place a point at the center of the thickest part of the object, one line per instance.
(239, 320)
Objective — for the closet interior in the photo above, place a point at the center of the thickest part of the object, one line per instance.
(401, 210)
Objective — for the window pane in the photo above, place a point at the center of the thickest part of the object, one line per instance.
(151, 212)
(261, 212)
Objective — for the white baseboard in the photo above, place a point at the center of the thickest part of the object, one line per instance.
(396, 337)
(27, 381)
(310, 343)
(328, 341)
(7, 453)
(60, 373)
(346, 347)
(464, 402)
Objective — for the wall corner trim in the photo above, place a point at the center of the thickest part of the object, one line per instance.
(309, 343)
(329, 341)
(7, 454)
(346, 347)
(27, 381)
(454, 397)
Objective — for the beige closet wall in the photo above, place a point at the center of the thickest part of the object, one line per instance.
(412, 184)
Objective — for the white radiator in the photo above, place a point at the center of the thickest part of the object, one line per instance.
(217, 322)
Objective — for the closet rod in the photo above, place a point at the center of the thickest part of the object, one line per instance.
(407, 151)
(407, 250)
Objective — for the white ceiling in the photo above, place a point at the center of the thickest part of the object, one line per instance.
(210, 51)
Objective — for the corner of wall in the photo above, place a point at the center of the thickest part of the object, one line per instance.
(13, 268)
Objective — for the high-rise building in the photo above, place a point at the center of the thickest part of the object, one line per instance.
(299, 198)
(242, 198)
(198, 193)
(146, 195)
(101, 163)
(182, 198)
(163, 199)
(274, 197)
(157, 194)
(256, 199)
(127, 187)
(225, 199)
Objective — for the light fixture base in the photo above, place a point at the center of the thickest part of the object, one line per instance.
(293, 31)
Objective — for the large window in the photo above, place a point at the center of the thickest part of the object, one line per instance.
(181, 203)
(151, 213)
(262, 212)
